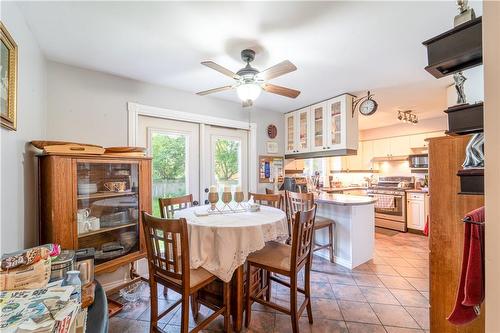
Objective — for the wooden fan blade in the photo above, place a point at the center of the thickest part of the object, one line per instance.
(272, 88)
(215, 90)
(220, 69)
(282, 68)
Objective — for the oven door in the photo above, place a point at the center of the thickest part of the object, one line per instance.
(396, 213)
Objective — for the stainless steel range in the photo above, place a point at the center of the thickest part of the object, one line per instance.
(390, 208)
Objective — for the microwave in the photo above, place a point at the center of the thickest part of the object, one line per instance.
(419, 161)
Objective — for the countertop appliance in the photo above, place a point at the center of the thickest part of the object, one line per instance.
(419, 161)
(390, 208)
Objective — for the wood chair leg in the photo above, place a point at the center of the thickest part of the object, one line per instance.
(293, 303)
(227, 304)
(268, 284)
(332, 244)
(154, 304)
(195, 305)
(307, 289)
(248, 301)
(185, 313)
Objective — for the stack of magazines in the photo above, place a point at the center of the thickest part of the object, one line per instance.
(44, 310)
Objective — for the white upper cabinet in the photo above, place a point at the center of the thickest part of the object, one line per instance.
(319, 127)
(297, 128)
(342, 124)
(290, 133)
(400, 146)
(325, 126)
(418, 140)
(367, 155)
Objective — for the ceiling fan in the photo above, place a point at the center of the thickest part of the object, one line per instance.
(249, 81)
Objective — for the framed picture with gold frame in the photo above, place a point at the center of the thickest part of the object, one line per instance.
(8, 79)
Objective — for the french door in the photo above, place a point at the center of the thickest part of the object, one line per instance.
(225, 159)
(189, 157)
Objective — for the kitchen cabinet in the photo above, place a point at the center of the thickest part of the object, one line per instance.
(381, 147)
(395, 146)
(399, 146)
(366, 155)
(418, 140)
(319, 127)
(322, 128)
(297, 127)
(416, 210)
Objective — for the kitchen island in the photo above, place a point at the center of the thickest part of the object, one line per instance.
(354, 218)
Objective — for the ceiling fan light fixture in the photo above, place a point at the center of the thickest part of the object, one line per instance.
(248, 91)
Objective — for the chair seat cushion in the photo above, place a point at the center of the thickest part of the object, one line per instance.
(274, 255)
(197, 277)
(322, 222)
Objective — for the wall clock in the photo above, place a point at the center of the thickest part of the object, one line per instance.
(272, 131)
(367, 106)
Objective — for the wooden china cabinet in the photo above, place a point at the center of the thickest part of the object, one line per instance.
(89, 201)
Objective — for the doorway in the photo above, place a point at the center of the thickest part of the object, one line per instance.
(189, 157)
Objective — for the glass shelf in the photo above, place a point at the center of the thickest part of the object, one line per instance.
(104, 194)
(90, 233)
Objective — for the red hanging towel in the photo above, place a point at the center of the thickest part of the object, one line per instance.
(470, 293)
(426, 228)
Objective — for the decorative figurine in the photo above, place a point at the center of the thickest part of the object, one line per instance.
(465, 13)
(474, 153)
(459, 86)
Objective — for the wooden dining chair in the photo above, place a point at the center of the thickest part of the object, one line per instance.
(287, 261)
(304, 201)
(273, 200)
(168, 261)
(168, 206)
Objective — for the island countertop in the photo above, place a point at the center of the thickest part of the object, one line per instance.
(344, 199)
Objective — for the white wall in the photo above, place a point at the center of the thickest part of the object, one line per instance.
(491, 54)
(91, 107)
(17, 181)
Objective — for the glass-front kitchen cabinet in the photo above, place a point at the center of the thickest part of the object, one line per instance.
(95, 202)
(297, 127)
(323, 127)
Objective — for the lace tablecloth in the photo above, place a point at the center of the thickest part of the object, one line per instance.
(221, 243)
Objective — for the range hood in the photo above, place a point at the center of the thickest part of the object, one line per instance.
(390, 158)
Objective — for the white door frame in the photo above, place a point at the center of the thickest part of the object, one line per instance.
(135, 110)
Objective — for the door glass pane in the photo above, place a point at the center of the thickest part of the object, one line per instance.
(227, 162)
(318, 127)
(108, 209)
(170, 166)
(335, 123)
(303, 130)
(290, 133)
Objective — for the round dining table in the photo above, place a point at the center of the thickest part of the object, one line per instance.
(220, 243)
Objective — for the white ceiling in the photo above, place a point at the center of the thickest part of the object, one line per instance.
(337, 46)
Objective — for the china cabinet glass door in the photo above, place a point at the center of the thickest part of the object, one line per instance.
(107, 216)
(335, 123)
(318, 127)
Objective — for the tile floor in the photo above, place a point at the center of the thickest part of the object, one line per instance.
(388, 294)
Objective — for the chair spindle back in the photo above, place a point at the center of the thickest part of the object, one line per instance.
(167, 246)
(168, 206)
(302, 237)
(272, 200)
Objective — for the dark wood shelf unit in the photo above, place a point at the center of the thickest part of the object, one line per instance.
(471, 181)
(456, 49)
(465, 119)
(446, 231)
